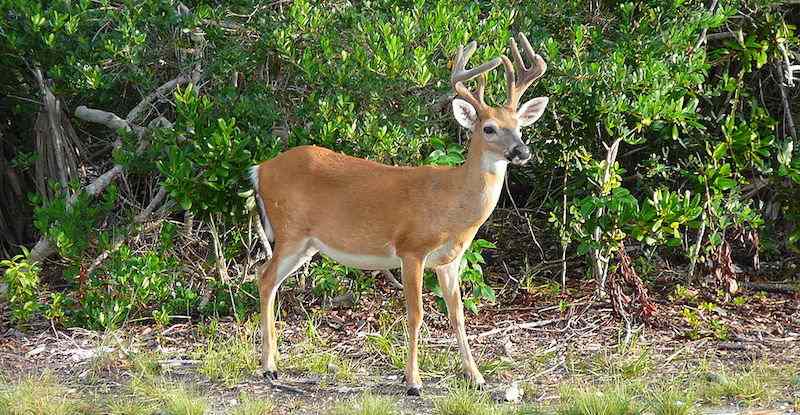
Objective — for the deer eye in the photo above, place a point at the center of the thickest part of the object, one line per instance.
(488, 130)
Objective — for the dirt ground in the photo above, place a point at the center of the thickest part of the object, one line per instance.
(540, 340)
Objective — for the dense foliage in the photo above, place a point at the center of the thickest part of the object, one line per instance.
(669, 131)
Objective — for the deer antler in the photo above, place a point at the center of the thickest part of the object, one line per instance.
(517, 87)
(461, 75)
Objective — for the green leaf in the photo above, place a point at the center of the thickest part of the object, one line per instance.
(724, 183)
(470, 305)
(719, 151)
(583, 248)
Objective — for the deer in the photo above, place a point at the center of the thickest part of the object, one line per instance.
(373, 216)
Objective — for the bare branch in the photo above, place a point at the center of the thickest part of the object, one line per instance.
(159, 94)
(110, 120)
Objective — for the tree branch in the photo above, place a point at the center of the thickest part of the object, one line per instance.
(159, 93)
(109, 119)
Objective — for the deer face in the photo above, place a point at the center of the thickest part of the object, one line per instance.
(500, 128)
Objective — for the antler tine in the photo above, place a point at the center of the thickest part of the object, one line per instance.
(527, 74)
(460, 75)
(510, 82)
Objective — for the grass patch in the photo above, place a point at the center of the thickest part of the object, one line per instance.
(614, 400)
(41, 395)
(249, 405)
(172, 397)
(367, 404)
(747, 387)
(671, 399)
(129, 407)
(228, 361)
(432, 362)
(311, 360)
(392, 343)
(145, 363)
(464, 400)
(313, 355)
(762, 382)
(625, 363)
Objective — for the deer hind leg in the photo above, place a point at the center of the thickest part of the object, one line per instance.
(412, 288)
(285, 260)
(449, 283)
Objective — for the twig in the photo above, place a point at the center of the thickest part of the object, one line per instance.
(524, 326)
(530, 228)
(284, 387)
(43, 247)
(787, 109)
(702, 38)
(159, 92)
(157, 199)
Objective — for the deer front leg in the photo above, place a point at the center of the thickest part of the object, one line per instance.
(449, 282)
(412, 288)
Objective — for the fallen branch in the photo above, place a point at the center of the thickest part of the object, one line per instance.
(523, 326)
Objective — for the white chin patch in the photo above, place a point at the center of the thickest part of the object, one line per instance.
(518, 161)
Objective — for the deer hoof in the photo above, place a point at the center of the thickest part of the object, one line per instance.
(476, 381)
(271, 374)
(414, 390)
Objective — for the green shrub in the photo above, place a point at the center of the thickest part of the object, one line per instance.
(135, 285)
(703, 162)
(22, 280)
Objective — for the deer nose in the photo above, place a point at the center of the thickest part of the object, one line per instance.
(520, 152)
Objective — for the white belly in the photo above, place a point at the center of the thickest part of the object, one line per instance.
(359, 261)
(440, 256)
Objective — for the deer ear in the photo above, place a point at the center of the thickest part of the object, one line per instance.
(465, 113)
(530, 111)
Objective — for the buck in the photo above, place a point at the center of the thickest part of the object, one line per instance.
(373, 216)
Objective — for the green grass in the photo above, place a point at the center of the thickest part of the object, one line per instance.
(129, 407)
(672, 399)
(759, 384)
(145, 363)
(249, 405)
(41, 395)
(624, 363)
(464, 400)
(367, 404)
(433, 362)
(314, 355)
(749, 387)
(590, 400)
(171, 397)
(322, 362)
(228, 360)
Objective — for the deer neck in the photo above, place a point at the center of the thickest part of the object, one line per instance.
(483, 174)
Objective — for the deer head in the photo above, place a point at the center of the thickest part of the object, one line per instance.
(499, 127)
